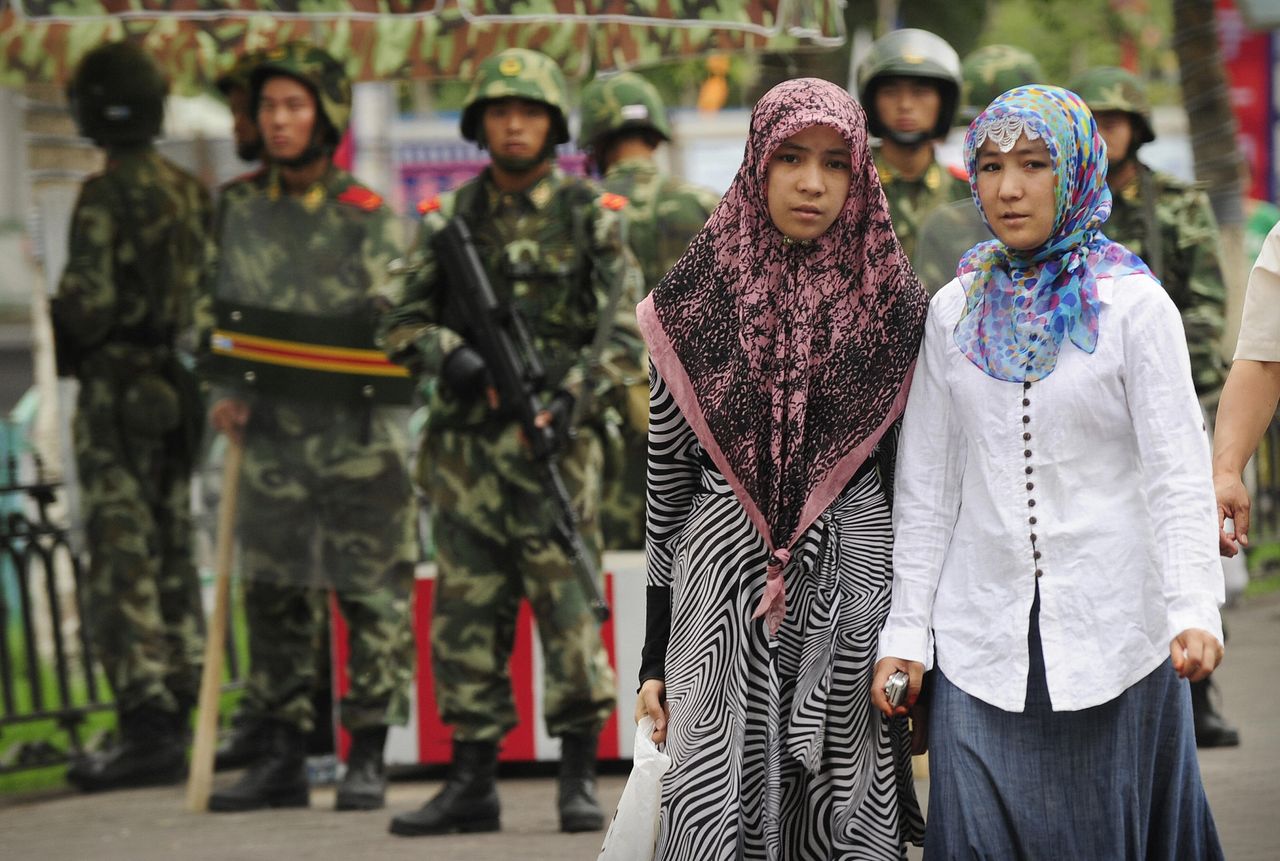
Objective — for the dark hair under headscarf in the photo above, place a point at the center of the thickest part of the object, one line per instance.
(790, 360)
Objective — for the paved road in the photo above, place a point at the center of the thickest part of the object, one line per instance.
(1243, 786)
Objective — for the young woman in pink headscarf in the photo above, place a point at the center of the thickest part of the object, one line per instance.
(782, 346)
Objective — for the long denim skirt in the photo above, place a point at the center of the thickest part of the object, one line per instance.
(1116, 781)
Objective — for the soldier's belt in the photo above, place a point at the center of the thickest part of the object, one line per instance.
(285, 354)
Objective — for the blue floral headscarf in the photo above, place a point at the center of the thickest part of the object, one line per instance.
(1021, 305)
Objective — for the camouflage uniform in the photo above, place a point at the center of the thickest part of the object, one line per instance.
(134, 259)
(1189, 269)
(555, 251)
(664, 213)
(920, 54)
(1170, 225)
(136, 238)
(911, 200)
(315, 469)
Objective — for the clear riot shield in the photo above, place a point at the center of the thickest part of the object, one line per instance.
(293, 300)
(294, 307)
(945, 235)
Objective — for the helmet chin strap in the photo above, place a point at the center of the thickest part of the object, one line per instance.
(313, 153)
(910, 139)
(1130, 157)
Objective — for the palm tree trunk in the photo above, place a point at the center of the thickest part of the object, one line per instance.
(1213, 142)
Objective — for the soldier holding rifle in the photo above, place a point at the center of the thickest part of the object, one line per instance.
(551, 248)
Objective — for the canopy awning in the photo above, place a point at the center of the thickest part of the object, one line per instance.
(43, 40)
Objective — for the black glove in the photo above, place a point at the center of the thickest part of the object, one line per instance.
(465, 372)
(561, 409)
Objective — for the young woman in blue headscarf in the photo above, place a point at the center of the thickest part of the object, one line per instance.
(1055, 557)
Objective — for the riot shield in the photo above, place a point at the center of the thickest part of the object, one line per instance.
(325, 499)
(945, 235)
(293, 300)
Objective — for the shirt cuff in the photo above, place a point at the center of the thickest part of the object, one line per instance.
(909, 644)
(1198, 610)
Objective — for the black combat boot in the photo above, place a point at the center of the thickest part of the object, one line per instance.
(1212, 729)
(278, 778)
(151, 752)
(364, 787)
(579, 810)
(246, 743)
(468, 802)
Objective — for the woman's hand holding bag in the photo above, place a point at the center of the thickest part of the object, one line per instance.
(634, 829)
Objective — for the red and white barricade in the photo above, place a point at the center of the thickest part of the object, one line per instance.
(425, 740)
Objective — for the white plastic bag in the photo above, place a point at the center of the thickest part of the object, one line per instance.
(634, 829)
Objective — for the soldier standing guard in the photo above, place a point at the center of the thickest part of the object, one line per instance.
(245, 741)
(554, 248)
(1170, 225)
(909, 85)
(623, 123)
(325, 500)
(135, 257)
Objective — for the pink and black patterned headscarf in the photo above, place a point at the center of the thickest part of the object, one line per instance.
(790, 360)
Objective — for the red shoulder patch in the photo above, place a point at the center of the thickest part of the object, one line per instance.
(428, 204)
(609, 200)
(359, 196)
(958, 172)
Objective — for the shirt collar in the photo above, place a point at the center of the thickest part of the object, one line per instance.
(931, 178)
(536, 197)
(311, 199)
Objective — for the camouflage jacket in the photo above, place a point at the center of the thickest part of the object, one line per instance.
(135, 256)
(325, 252)
(664, 214)
(555, 251)
(1188, 264)
(910, 200)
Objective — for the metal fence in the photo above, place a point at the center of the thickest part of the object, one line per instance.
(47, 671)
(50, 683)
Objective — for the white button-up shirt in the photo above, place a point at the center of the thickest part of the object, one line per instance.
(1093, 483)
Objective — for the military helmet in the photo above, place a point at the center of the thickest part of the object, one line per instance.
(991, 71)
(238, 75)
(317, 71)
(910, 53)
(521, 74)
(1109, 88)
(623, 101)
(117, 95)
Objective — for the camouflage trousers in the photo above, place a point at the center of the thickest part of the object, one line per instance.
(490, 518)
(321, 508)
(143, 591)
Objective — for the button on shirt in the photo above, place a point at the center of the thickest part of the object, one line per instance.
(1092, 484)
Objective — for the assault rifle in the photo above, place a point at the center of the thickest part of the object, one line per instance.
(498, 333)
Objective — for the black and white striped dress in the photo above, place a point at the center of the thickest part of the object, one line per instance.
(776, 750)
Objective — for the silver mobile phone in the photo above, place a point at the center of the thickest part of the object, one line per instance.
(895, 689)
